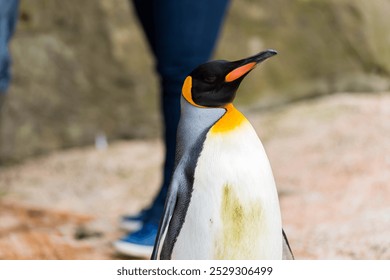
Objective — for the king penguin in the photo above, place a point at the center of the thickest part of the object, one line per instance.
(222, 202)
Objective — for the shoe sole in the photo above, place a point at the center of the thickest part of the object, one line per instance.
(130, 226)
(133, 250)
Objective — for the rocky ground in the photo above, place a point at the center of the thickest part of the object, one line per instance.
(331, 161)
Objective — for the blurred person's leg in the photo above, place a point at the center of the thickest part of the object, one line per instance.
(8, 19)
(181, 34)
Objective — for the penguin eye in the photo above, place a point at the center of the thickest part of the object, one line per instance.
(210, 79)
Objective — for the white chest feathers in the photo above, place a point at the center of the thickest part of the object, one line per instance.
(234, 210)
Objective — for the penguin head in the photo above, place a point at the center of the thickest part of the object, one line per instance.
(214, 84)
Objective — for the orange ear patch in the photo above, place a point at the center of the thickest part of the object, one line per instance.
(186, 90)
(239, 72)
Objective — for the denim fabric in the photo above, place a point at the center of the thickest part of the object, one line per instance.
(181, 34)
(8, 19)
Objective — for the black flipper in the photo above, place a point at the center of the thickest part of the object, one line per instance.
(287, 252)
(169, 207)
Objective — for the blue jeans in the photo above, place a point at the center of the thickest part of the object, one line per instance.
(181, 34)
(8, 19)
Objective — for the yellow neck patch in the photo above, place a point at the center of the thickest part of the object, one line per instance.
(229, 121)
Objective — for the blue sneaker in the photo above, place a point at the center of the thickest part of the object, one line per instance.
(139, 243)
(134, 222)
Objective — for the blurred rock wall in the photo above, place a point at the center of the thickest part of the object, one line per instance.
(324, 46)
(82, 68)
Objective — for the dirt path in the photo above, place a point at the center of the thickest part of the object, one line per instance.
(331, 161)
